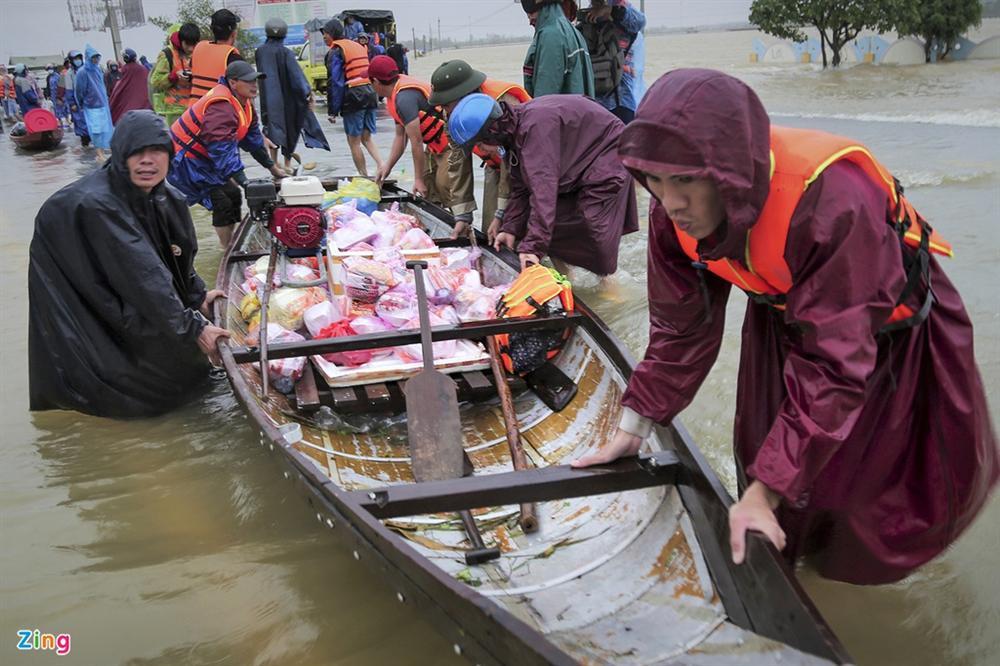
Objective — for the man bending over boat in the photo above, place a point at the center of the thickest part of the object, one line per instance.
(570, 197)
(862, 435)
(117, 315)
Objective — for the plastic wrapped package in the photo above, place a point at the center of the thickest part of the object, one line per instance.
(396, 307)
(319, 316)
(287, 306)
(393, 216)
(365, 324)
(365, 193)
(415, 239)
(284, 372)
(342, 329)
(358, 230)
(475, 303)
(442, 350)
(365, 280)
(460, 257)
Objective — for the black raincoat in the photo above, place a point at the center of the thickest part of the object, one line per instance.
(112, 291)
(285, 110)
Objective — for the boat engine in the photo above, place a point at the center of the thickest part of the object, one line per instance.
(295, 219)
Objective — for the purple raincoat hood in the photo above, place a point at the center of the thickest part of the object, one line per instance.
(708, 124)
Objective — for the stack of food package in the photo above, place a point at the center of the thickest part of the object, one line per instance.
(372, 291)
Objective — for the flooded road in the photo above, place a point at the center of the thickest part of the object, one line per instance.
(176, 541)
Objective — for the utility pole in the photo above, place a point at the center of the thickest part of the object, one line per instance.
(414, 42)
(116, 38)
(642, 6)
(439, 34)
(430, 37)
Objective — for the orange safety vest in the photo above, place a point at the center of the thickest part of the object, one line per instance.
(355, 62)
(8, 88)
(798, 157)
(186, 130)
(178, 94)
(432, 126)
(534, 287)
(496, 90)
(208, 65)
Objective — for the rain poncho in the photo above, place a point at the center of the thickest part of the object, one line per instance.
(557, 60)
(112, 291)
(92, 97)
(880, 444)
(631, 22)
(131, 93)
(285, 109)
(27, 94)
(76, 111)
(570, 196)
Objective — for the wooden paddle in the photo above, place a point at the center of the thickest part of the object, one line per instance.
(433, 426)
(262, 329)
(529, 513)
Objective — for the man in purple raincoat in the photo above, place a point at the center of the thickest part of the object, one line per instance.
(868, 449)
(570, 197)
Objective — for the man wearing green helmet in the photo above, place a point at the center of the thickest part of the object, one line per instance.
(452, 81)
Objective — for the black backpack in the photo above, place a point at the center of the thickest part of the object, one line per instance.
(606, 54)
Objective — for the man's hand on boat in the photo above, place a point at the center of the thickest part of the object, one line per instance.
(622, 445)
(754, 511)
(277, 172)
(493, 230)
(208, 343)
(419, 187)
(210, 297)
(461, 230)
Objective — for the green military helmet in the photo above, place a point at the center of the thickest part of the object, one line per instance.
(453, 80)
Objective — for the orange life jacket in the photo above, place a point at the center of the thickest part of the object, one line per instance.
(186, 130)
(208, 65)
(432, 126)
(355, 62)
(496, 90)
(8, 90)
(178, 94)
(533, 288)
(798, 157)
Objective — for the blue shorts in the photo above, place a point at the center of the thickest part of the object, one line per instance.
(358, 122)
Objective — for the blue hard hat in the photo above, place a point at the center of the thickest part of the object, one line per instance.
(472, 115)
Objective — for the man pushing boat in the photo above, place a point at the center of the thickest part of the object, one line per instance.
(862, 434)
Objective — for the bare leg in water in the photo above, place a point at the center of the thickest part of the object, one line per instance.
(225, 235)
(369, 143)
(357, 155)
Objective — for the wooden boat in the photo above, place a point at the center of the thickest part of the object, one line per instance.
(40, 131)
(630, 564)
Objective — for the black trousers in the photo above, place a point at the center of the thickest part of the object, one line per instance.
(227, 204)
(625, 114)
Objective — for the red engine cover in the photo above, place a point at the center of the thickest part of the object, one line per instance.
(297, 226)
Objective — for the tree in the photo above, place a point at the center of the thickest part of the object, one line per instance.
(838, 21)
(940, 23)
(200, 12)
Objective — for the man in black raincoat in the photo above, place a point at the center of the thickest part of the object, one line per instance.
(117, 315)
(285, 96)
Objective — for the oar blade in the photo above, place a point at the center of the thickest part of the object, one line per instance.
(434, 428)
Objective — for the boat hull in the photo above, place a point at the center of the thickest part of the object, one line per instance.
(38, 140)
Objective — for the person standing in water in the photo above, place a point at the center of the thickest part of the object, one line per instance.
(93, 99)
(862, 435)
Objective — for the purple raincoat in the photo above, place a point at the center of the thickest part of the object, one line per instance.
(570, 196)
(880, 444)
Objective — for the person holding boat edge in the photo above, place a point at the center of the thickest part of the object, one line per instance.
(570, 196)
(862, 434)
(117, 314)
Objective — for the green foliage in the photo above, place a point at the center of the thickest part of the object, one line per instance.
(940, 22)
(200, 12)
(838, 21)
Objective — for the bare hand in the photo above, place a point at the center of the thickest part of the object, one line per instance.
(382, 174)
(754, 511)
(206, 305)
(493, 230)
(277, 172)
(528, 259)
(208, 343)
(623, 444)
(504, 239)
(462, 229)
(419, 187)
(270, 145)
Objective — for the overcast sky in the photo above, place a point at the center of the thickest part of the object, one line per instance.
(42, 27)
